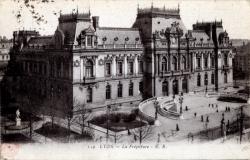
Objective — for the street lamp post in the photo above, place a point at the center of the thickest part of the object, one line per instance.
(108, 110)
(156, 108)
(181, 101)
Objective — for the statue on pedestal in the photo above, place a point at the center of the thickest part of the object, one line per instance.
(18, 119)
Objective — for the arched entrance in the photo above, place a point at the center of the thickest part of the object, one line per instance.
(185, 85)
(175, 86)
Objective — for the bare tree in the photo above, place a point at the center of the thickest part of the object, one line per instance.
(143, 132)
(81, 113)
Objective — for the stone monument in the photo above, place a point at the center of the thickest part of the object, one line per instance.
(18, 119)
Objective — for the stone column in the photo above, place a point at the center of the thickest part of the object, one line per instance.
(202, 61)
(113, 70)
(82, 70)
(125, 66)
(209, 60)
(136, 64)
(194, 60)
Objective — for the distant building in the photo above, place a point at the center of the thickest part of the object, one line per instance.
(5, 46)
(99, 66)
(242, 62)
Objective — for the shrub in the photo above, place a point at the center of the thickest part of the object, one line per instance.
(99, 119)
(115, 118)
(129, 118)
(232, 99)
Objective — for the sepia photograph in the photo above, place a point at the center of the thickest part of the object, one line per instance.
(124, 79)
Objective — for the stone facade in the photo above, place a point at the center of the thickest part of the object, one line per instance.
(99, 66)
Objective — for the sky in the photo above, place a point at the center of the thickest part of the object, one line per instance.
(235, 14)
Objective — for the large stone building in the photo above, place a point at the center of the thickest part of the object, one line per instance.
(99, 66)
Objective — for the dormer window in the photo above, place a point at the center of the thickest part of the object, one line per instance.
(89, 40)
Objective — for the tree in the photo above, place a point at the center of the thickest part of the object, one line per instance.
(143, 132)
(81, 114)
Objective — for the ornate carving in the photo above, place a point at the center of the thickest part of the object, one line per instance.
(108, 58)
(101, 62)
(131, 57)
(76, 63)
(120, 57)
(219, 55)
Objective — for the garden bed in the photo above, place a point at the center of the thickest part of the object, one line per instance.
(15, 138)
(232, 99)
(117, 121)
(61, 134)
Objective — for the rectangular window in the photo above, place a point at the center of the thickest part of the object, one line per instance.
(119, 90)
(119, 68)
(108, 69)
(140, 66)
(130, 67)
(141, 87)
(89, 40)
(198, 62)
(212, 62)
(205, 62)
(89, 95)
(131, 88)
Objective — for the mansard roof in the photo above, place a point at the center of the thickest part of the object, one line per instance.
(110, 35)
(200, 35)
(41, 40)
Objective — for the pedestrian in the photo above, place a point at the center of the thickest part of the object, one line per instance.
(159, 137)
(177, 127)
(223, 115)
(228, 109)
(194, 114)
(207, 118)
(186, 108)
(216, 105)
(135, 137)
(217, 110)
(201, 118)
(209, 105)
(181, 110)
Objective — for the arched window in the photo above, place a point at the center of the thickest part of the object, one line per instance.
(184, 63)
(225, 59)
(89, 69)
(165, 88)
(175, 63)
(164, 64)
(89, 94)
(108, 92)
(130, 89)
(225, 77)
(206, 79)
(212, 78)
(198, 80)
(119, 90)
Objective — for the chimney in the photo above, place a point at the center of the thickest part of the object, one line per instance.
(95, 21)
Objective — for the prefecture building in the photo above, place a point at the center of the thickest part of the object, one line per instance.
(84, 63)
